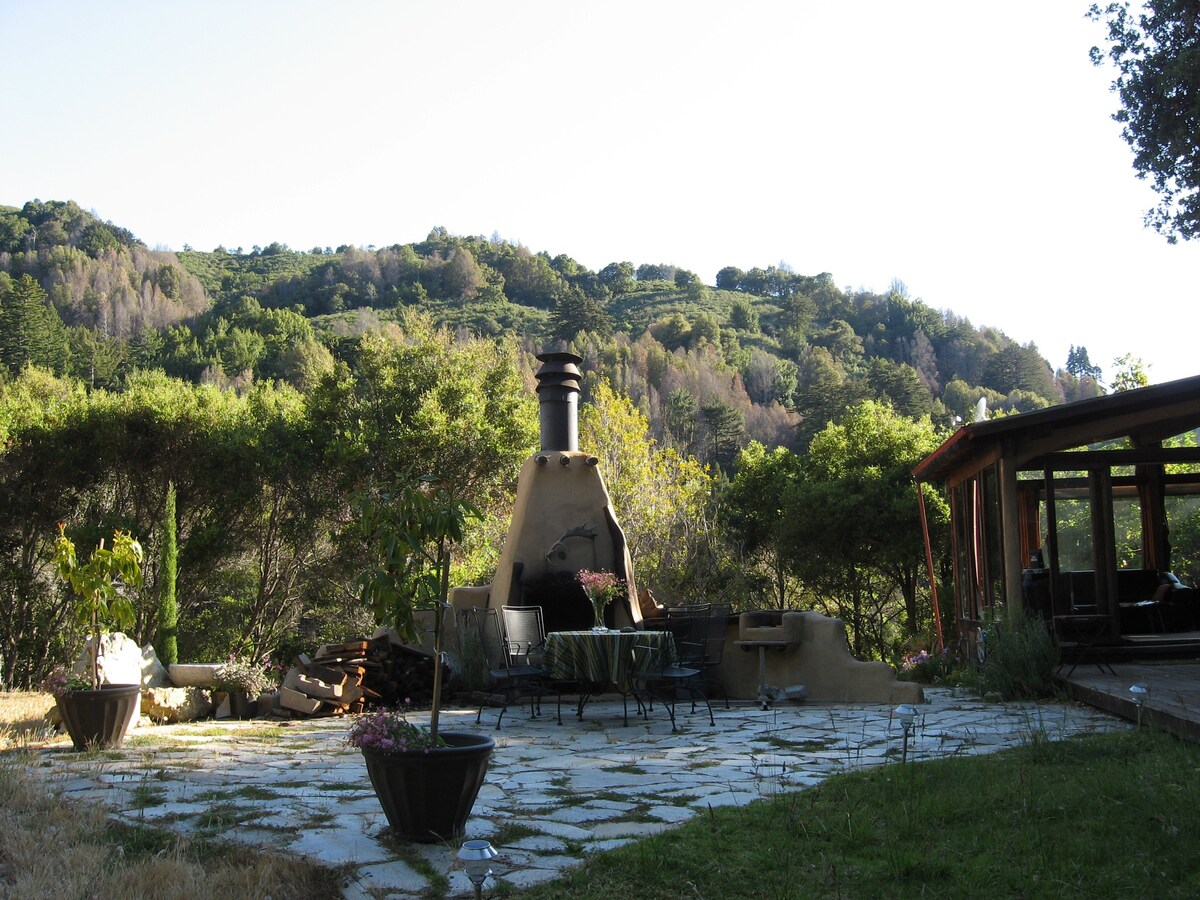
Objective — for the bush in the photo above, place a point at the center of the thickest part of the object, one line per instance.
(925, 667)
(1019, 659)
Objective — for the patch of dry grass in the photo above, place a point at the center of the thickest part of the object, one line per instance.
(22, 716)
(52, 848)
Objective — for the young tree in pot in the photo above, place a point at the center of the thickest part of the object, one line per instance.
(96, 716)
(411, 528)
(426, 780)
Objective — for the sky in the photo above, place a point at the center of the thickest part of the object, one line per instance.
(965, 149)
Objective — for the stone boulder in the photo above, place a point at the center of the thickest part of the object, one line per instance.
(120, 662)
(120, 659)
(154, 673)
(194, 674)
(166, 705)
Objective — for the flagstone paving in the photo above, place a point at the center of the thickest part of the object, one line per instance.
(553, 794)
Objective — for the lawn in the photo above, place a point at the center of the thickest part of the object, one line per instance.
(1111, 815)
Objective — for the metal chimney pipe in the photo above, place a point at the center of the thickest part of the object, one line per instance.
(558, 399)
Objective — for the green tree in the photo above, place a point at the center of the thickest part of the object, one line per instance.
(31, 332)
(730, 278)
(167, 645)
(656, 491)
(1130, 373)
(617, 277)
(1079, 365)
(743, 316)
(576, 311)
(1021, 368)
(1157, 56)
(681, 413)
(755, 504)
(851, 528)
(724, 428)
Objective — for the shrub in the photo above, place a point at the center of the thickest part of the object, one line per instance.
(925, 667)
(1019, 659)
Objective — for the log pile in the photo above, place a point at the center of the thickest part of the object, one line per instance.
(352, 676)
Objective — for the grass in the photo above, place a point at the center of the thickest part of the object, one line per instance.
(1096, 816)
(22, 717)
(50, 848)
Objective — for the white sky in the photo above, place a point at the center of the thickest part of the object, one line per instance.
(964, 148)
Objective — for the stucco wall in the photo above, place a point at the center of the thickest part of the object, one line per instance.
(821, 662)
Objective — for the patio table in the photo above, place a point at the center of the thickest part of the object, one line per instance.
(600, 661)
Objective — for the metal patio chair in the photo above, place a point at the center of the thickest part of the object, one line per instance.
(513, 681)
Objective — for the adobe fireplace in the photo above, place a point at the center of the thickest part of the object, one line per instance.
(563, 520)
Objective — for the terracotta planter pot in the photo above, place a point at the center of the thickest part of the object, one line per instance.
(427, 796)
(98, 720)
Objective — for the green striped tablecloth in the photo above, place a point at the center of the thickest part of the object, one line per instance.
(603, 659)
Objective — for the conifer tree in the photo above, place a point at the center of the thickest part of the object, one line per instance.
(168, 611)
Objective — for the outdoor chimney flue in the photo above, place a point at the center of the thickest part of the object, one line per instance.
(558, 399)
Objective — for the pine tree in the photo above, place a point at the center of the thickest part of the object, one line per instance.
(31, 333)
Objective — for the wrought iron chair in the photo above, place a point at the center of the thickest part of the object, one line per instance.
(525, 634)
(525, 637)
(689, 627)
(651, 679)
(714, 648)
(513, 680)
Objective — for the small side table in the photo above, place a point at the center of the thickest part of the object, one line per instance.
(766, 692)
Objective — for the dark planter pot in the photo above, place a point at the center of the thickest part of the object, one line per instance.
(427, 797)
(98, 720)
(241, 706)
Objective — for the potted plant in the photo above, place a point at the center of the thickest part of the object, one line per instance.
(426, 779)
(99, 715)
(601, 588)
(243, 682)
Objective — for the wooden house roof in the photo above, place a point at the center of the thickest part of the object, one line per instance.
(1146, 416)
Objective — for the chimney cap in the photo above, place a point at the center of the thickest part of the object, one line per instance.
(559, 369)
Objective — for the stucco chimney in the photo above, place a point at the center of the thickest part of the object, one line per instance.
(558, 399)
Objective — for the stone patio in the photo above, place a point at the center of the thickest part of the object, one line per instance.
(553, 795)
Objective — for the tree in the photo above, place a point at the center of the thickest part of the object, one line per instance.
(1130, 373)
(1021, 368)
(656, 491)
(680, 412)
(617, 277)
(725, 427)
(1079, 365)
(754, 510)
(31, 332)
(1157, 56)
(730, 278)
(743, 316)
(575, 311)
(168, 610)
(851, 525)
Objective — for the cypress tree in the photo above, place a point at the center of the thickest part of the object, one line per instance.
(168, 611)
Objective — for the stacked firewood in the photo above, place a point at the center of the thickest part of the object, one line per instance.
(352, 676)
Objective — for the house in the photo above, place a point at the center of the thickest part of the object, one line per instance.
(1087, 513)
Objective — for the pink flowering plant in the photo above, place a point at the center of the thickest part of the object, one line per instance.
(388, 731)
(926, 667)
(601, 588)
(61, 682)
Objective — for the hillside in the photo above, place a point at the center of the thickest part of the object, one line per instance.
(766, 353)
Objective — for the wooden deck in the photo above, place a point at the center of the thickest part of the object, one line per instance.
(1174, 699)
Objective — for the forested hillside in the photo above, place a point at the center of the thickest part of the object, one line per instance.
(765, 354)
(277, 393)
